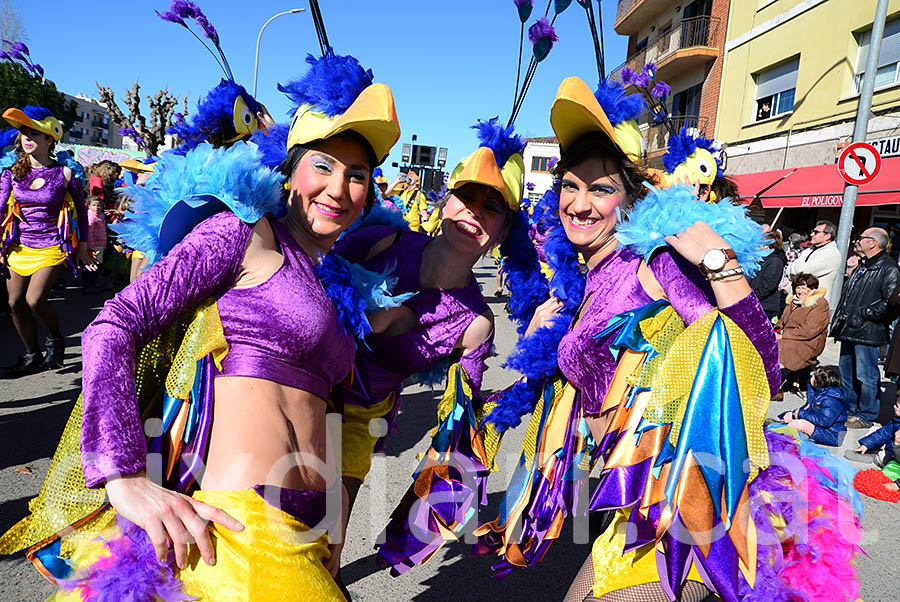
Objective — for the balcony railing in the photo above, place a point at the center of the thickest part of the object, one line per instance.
(689, 33)
(658, 135)
(624, 7)
(75, 134)
(99, 123)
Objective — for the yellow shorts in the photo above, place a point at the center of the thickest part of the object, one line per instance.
(25, 261)
(275, 557)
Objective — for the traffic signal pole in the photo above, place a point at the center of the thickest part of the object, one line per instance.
(848, 206)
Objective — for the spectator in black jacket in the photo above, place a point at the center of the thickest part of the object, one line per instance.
(765, 282)
(861, 323)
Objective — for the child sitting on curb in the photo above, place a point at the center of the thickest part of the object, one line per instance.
(822, 416)
(887, 436)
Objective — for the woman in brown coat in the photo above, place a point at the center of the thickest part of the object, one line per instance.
(801, 332)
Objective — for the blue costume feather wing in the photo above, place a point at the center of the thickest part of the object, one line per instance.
(670, 211)
(188, 188)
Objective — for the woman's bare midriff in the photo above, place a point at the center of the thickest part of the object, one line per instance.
(266, 433)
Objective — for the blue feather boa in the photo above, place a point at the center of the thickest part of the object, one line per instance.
(536, 356)
(523, 273)
(66, 158)
(378, 215)
(670, 211)
(234, 176)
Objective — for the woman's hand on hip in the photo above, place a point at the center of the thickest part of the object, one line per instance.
(167, 516)
(696, 241)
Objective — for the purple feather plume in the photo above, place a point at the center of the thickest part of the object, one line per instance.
(181, 10)
(661, 90)
(130, 572)
(541, 30)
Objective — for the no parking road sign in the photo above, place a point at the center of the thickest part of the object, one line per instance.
(859, 163)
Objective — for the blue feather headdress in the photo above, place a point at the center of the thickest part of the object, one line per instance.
(215, 113)
(503, 142)
(682, 145)
(618, 105)
(330, 85)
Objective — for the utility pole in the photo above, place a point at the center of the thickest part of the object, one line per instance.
(848, 206)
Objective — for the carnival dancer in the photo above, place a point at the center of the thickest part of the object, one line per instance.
(43, 219)
(446, 323)
(450, 483)
(247, 310)
(666, 366)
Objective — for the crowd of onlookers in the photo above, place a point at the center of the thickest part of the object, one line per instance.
(794, 285)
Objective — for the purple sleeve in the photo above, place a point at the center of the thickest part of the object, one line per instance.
(205, 263)
(76, 191)
(5, 191)
(691, 296)
(355, 246)
(473, 362)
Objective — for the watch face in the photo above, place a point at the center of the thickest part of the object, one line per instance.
(714, 260)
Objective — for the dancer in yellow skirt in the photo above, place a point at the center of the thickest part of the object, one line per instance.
(203, 412)
(39, 201)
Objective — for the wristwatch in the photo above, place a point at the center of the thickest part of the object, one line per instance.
(715, 260)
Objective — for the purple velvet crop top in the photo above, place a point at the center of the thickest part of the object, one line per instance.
(613, 287)
(285, 330)
(443, 315)
(41, 207)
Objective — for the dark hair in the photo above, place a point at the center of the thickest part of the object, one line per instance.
(807, 280)
(295, 154)
(725, 188)
(598, 145)
(829, 228)
(825, 376)
(22, 167)
(775, 238)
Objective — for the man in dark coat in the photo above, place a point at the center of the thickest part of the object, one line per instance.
(861, 323)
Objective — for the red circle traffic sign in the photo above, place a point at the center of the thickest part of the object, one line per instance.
(859, 163)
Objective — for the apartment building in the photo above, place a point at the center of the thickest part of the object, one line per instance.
(686, 42)
(788, 101)
(93, 126)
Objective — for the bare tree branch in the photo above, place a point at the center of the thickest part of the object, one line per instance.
(11, 22)
(162, 107)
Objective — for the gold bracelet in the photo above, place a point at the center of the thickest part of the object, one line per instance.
(724, 274)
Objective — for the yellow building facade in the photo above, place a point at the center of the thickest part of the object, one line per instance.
(813, 45)
(789, 95)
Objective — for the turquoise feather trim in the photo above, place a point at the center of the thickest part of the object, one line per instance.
(375, 287)
(191, 186)
(670, 211)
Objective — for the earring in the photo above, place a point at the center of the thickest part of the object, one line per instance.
(618, 215)
(287, 185)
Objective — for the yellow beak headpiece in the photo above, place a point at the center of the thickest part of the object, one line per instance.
(481, 168)
(577, 112)
(372, 115)
(48, 125)
(133, 165)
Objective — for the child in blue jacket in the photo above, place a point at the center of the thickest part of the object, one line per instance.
(887, 436)
(822, 416)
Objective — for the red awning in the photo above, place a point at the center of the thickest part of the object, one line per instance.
(818, 186)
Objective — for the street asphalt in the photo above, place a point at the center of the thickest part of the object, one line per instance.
(34, 409)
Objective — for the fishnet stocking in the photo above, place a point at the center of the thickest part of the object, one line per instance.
(580, 590)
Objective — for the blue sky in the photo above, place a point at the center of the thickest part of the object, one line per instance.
(447, 62)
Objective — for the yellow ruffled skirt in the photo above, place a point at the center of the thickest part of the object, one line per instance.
(25, 261)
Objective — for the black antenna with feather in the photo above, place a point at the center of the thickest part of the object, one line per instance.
(181, 11)
(595, 36)
(320, 26)
(542, 36)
